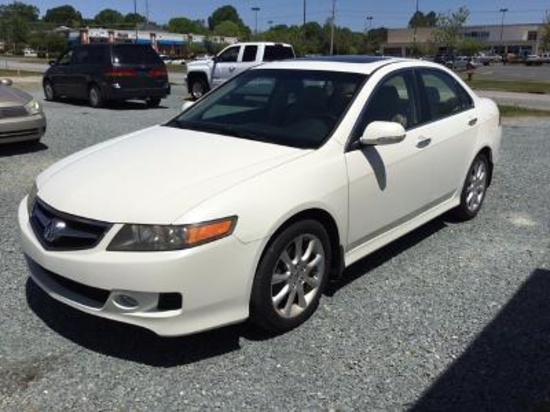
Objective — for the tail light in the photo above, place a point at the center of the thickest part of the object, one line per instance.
(158, 73)
(121, 73)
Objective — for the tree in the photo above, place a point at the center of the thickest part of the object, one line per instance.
(14, 23)
(225, 13)
(63, 15)
(447, 33)
(227, 28)
(469, 47)
(185, 25)
(109, 17)
(133, 19)
(546, 35)
(420, 19)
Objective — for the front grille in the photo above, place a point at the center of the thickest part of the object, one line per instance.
(14, 111)
(96, 296)
(60, 231)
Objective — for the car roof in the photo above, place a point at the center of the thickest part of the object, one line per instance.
(353, 64)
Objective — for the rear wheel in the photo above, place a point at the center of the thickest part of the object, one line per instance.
(474, 189)
(49, 91)
(291, 277)
(198, 88)
(153, 101)
(94, 97)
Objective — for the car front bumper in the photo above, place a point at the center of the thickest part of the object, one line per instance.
(21, 129)
(214, 281)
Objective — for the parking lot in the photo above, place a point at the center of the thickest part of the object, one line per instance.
(451, 317)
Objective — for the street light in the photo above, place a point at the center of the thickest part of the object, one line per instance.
(503, 11)
(255, 10)
(135, 13)
(369, 23)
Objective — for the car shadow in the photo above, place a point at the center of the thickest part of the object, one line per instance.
(385, 254)
(133, 343)
(14, 149)
(507, 366)
(114, 105)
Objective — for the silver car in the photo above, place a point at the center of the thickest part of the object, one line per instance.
(21, 116)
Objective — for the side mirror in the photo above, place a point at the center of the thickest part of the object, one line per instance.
(187, 104)
(381, 133)
(6, 82)
(52, 62)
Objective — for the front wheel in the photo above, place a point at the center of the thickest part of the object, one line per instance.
(474, 189)
(198, 88)
(291, 277)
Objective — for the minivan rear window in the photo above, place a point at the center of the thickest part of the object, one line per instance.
(135, 54)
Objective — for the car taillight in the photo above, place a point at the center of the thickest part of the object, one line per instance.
(121, 73)
(158, 73)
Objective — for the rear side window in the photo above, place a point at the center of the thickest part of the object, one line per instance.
(135, 54)
(250, 53)
(278, 52)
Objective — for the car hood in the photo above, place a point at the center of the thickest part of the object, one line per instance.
(155, 175)
(10, 96)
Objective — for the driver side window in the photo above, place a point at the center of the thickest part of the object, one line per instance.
(66, 58)
(229, 56)
(392, 101)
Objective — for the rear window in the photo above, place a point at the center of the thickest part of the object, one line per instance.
(278, 52)
(135, 54)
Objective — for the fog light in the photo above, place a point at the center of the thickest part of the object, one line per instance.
(126, 301)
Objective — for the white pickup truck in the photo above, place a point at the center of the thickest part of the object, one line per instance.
(203, 75)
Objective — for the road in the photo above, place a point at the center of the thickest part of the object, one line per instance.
(451, 317)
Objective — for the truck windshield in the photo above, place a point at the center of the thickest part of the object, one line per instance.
(298, 108)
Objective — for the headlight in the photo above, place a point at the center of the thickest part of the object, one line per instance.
(156, 238)
(33, 107)
(31, 198)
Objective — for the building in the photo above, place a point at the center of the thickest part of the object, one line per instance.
(518, 39)
(172, 44)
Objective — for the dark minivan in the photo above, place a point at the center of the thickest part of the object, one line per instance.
(103, 72)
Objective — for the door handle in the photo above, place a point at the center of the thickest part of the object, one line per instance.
(423, 142)
(232, 68)
(473, 121)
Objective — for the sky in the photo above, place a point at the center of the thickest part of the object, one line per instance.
(349, 13)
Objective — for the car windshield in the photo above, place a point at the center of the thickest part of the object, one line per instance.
(298, 108)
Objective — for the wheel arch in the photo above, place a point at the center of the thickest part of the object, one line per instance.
(330, 225)
(488, 153)
(196, 75)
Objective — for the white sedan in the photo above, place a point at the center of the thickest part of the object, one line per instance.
(250, 200)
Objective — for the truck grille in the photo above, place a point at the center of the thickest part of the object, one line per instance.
(60, 231)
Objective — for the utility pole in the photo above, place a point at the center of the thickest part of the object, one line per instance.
(332, 27)
(503, 11)
(147, 13)
(135, 12)
(304, 12)
(255, 10)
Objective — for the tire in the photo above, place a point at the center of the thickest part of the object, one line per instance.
(198, 88)
(474, 189)
(153, 101)
(49, 91)
(94, 97)
(291, 277)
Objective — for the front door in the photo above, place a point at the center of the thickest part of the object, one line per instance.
(226, 65)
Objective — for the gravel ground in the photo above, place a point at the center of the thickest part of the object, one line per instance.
(452, 317)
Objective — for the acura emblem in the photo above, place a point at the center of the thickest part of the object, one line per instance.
(53, 230)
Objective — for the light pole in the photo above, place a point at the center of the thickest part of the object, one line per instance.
(304, 12)
(255, 10)
(135, 13)
(415, 23)
(332, 27)
(503, 11)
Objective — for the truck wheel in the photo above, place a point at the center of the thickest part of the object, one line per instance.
(198, 88)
